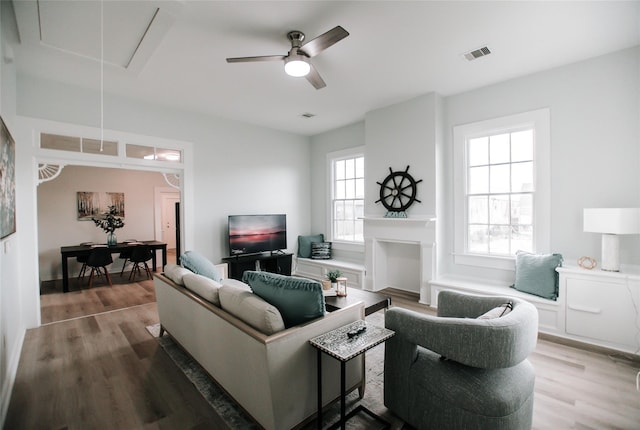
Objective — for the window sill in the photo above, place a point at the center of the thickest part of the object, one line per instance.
(491, 262)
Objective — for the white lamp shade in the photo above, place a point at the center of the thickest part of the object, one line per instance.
(612, 220)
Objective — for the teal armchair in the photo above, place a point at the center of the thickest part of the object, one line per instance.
(455, 371)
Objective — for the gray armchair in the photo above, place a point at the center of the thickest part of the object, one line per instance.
(454, 371)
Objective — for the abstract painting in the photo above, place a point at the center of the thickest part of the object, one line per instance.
(7, 182)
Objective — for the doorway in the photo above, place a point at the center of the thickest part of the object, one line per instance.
(167, 225)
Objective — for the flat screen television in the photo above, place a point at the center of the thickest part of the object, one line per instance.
(251, 234)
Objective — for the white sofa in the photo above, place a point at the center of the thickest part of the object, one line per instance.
(272, 377)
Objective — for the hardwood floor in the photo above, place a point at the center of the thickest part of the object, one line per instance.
(106, 371)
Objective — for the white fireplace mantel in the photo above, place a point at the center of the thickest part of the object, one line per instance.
(378, 231)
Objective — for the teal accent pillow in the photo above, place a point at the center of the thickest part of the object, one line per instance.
(200, 265)
(536, 274)
(304, 244)
(298, 299)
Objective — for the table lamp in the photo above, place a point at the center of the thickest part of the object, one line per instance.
(611, 222)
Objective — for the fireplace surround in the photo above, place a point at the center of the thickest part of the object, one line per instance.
(414, 238)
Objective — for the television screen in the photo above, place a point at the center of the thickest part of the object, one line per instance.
(257, 233)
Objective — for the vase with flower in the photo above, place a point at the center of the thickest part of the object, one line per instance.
(109, 223)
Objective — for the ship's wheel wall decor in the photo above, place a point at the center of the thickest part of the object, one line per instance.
(397, 192)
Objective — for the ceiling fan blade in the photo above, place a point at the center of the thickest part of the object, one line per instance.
(314, 78)
(322, 42)
(253, 59)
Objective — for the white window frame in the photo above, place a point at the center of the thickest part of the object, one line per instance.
(332, 157)
(539, 120)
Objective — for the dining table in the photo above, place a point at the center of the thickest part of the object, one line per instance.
(85, 249)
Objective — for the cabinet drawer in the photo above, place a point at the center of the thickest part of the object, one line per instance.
(601, 310)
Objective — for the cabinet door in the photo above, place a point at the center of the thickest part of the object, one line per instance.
(601, 310)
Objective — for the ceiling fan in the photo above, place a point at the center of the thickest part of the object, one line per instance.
(296, 62)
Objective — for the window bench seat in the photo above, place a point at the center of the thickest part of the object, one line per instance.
(317, 269)
(550, 312)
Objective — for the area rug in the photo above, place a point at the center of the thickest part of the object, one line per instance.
(236, 418)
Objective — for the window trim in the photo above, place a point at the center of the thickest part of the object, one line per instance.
(354, 152)
(539, 120)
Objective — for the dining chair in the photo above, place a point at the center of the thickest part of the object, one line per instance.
(82, 259)
(139, 256)
(98, 260)
(125, 255)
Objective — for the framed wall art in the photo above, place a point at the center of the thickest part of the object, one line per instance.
(93, 204)
(7, 182)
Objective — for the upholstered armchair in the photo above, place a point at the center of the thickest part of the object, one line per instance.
(456, 371)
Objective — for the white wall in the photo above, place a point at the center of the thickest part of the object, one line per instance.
(595, 150)
(349, 136)
(595, 146)
(398, 136)
(238, 168)
(57, 211)
(14, 314)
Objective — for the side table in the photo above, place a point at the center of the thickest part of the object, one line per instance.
(342, 346)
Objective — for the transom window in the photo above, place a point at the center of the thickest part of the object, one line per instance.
(347, 198)
(500, 193)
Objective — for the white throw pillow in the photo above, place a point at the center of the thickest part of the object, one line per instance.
(175, 273)
(497, 312)
(251, 309)
(205, 287)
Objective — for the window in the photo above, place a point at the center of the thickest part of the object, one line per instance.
(347, 197)
(502, 187)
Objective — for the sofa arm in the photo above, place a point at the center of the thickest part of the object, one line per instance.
(453, 304)
(489, 344)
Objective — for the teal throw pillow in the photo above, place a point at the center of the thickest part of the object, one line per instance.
(304, 244)
(298, 299)
(536, 274)
(200, 265)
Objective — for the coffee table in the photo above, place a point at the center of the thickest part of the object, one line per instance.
(373, 302)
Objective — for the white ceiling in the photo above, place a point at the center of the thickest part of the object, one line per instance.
(173, 52)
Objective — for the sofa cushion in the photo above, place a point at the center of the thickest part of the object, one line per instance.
(205, 287)
(200, 265)
(235, 283)
(304, 244)
(176, 273)
(298, 299)
(536, 274)
(251, 309)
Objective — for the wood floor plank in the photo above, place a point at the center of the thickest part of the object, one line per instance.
(106, 371)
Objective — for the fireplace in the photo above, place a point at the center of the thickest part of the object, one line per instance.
(400, 253)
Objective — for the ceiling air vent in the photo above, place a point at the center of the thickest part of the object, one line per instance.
(308, 115)
(477, 53)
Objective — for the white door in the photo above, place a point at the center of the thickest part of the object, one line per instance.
(168, 220)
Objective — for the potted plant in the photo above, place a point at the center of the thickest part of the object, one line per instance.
(109, 223)
(333, 276)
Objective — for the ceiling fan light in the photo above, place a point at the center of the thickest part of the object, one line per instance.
(297, 66)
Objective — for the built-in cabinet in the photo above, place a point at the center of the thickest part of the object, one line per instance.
(317, 269)
(602, 307)
(593, 306)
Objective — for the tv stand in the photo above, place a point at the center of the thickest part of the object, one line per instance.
(274, 262)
